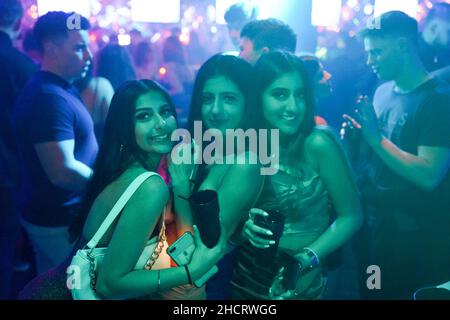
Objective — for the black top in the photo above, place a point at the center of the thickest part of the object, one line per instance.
(418, 118)
(16, 68)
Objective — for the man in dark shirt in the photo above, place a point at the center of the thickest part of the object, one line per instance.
(408, 130)
(15, 68)
(55, 137)
(434, 42)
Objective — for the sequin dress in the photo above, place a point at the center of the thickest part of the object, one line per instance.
(303, 199)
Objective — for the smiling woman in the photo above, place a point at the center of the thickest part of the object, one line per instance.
(223, 104)
(155, 121)
(221, 100)
(313, 177)
(136, 138)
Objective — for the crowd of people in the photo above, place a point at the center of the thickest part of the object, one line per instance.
(362, 165)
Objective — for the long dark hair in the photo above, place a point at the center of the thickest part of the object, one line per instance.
(113, 62)
(233, 68)
(270, 67)
(173, 51)
(118, 149)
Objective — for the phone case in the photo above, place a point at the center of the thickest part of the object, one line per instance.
(293, 270)
(181, 250)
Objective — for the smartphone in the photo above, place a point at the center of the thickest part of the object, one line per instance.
(293, 270)
(181, 252)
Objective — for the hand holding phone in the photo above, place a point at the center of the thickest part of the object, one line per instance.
(181, 252)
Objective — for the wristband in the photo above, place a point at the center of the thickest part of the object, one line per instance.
(314, 258)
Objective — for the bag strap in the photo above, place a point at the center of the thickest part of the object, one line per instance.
(112, 215)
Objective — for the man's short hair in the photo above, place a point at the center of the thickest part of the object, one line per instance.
(392, 23)
(54, 26)
(440, 10)
(271, 33)
(240, 13)
(10, 12)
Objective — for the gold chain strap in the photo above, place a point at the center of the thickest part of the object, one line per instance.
(148, 265)
(92, 272)
(159, 247)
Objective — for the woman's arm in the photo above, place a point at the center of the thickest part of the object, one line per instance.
(237, 193)
(105, 93)
(181, 188)
(335, 172)
(117, 278)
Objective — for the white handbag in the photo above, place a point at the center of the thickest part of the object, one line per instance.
(82, 271)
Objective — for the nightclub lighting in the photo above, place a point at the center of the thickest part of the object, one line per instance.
(326, 13)
(82, 7)
(124, 39)
(155, 37)
(184, 37)
(167, 11)
(162, 71)
(284, 10)
(409, 7)
(368, 9)
(352, 3)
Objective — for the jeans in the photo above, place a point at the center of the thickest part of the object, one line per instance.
(51, 245)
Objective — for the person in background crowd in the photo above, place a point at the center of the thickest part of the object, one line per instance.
(434, 42)
(16, 69)
(144, 61)
(321, 80)
(262, 36)
(113, 62)
(55, 138)
(237, 16)
(96, 93)
(351, 78)
(30, 47)
(407, 180)
(177, 76)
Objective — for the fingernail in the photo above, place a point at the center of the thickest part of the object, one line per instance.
(269, 233)
(272, 242)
